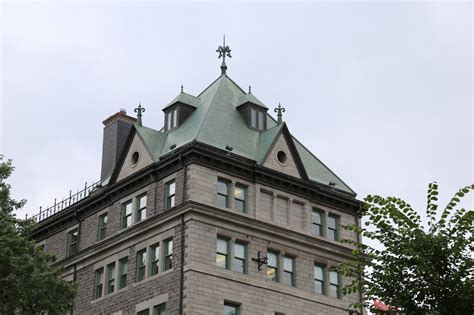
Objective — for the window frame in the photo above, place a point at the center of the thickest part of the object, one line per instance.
(291, 272)
(243, 260)
(227, 183)
(276, 268)
(167, 254)
(154, 261)
(102, 228)
(322, 281)
(260, 118)
(159, 308)
(98, 283)
(110, 278)
(172, 119)
(321, 214)
(122, 280)
(226, 254)
(124, 216)
(72, 246)
(244, 201)
(335, 229)
(337, 285)
(236, 306)
(139, 211)
(139, 275)
(170, 199)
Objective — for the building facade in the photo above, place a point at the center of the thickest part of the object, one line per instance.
(221, 211)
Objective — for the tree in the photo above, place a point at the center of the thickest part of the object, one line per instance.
(419, 270)
(28, 282)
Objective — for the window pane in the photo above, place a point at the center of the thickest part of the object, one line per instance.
(175, 118)
(239, 193)
(318, 273)
(222, 187)
(288, 264)
(253, 118)
(271, 273)
(222, 201)
(331, 234)
(239, 250)
(316, 217)
(222, 246)
(272, 259)
(331, 222)
(318, 287)
(142, 202)
(128, 208)
(261, 118)
(239, 205)
(159, 310)
(317, 230)
(287, 278)
(231, 309)
(238, 265)
(170, 126)
(144, 312)
(333, 291)
(334, 277)
(171, 189)
(221, 260)
(170, 247)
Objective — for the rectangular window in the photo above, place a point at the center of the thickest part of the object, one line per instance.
(159, 309)
(261, 120)
(222, 253)
(102, 227)
(223, 193)
(168, 245)
(253, 118)
(123, 270)
(272, 266)
(240, 256)
(289, 271)
(141, 263)
(141, 208)
(333, 227)
(334, 284)
(126, 214)
(240, 195)
(175, 118)
(319, 279)
(98, 283)
(144, 312)
(72, 240)
(110, 278)
(170, 194)
(169, 119)
(317, 222)
(231, 309)
(154, 259)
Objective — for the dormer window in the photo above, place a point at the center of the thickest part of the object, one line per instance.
(253, 112)
(171, 119)
(257, 119)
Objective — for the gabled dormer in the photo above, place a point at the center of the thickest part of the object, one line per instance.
(253, 111)
(178, 110)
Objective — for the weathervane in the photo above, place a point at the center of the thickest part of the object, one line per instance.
(224, 51)
(279, 110)
(139, 111)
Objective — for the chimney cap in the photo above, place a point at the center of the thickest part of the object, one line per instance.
(122, 114)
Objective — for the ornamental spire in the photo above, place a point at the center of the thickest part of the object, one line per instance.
(279, 110)
(139, 111)
(224, 51)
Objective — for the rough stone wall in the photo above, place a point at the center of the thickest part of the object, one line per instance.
(56, 244)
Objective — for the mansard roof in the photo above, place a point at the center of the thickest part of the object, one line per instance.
(216, 122)
(184, 98)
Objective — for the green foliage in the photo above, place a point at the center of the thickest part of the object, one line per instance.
(28, 282)
(422, 272)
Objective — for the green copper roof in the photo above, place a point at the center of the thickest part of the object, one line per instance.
(250, 98)
(184, 98)
(216, 122)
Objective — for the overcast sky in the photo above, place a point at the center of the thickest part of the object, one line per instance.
(380, 92)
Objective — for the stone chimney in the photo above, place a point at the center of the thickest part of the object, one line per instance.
(116, 130)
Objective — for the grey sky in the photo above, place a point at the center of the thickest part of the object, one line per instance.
(381, 93)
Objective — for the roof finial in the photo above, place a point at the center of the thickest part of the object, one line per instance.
(182, 88)
(223, 52)
(250, 89)
(139, 111)
(279, 110)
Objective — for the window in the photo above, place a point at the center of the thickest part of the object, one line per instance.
(154, 259)
(289, 271)
(110, 278)
(159, 309)
(319, 279)
(257, 119)
(141, 263)
(172, 119)
(72, 239)
(126, 214)
(240, 194)
(141, 207)
(102, 227)
(317, 222)
(231, 309)
(334, 284)
(144, 312)
(223, 193)
(123, 269)
(170, 194)
(240, 254)
(168, 244)
(222, 253)
(272, 266)
(333, 227)
(98, 283)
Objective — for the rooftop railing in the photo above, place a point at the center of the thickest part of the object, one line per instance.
(58, 206)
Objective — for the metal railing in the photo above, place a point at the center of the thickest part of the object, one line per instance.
(66, 202)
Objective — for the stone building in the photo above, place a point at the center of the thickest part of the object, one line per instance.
(220, 211)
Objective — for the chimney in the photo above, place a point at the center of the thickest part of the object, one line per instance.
(116, 130)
